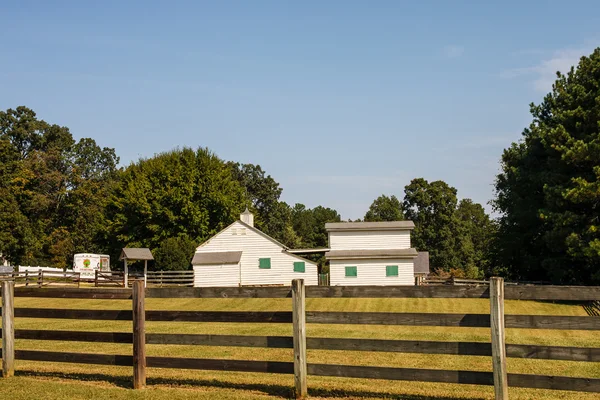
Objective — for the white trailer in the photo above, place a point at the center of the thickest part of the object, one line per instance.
(87, 264)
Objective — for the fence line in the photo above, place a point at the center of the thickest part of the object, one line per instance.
(42, 278)
(299, 316)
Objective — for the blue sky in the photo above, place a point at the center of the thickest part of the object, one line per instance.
(340, 101)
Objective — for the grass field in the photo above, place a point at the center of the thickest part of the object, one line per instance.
(54, 380)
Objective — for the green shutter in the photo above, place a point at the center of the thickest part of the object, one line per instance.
(351, 271)
(264, 263)
(391, 270)
(299, 266)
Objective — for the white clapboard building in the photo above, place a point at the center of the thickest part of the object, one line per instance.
(371, 253)
(242, 255)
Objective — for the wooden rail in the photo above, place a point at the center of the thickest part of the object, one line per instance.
(300, 367)
(42, 278)
(170, 278)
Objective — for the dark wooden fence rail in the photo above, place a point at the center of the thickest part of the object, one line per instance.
(170, 278)
(299, 366)
(42, 278)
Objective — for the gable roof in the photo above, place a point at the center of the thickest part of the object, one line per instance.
(367, 254)
(369, 226)
(284, 248)
(223, 257)
(131, 253)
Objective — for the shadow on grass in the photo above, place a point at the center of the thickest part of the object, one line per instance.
(281, 391)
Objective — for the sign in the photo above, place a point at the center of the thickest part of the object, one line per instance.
(87, 264)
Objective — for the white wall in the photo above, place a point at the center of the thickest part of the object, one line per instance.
(369, 240)
(217, 275)
(371, 272)
(237, 237)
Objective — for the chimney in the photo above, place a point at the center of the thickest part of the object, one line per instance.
(247, 217)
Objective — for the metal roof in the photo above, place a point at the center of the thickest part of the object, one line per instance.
(422, 263)
(369, 226)
(142, 253)
(366, 254)
(223, 257)
(308, 251)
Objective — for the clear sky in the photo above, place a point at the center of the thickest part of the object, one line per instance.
(340, 101)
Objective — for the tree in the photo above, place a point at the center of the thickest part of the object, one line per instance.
(431, 207)
(52, 186)
(385, 208)
(174, 254)
(273, 217)
(474, 236)
(181, 192)
(309, 224)
(548, 192)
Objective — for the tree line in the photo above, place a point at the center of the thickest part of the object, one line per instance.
(59, 196)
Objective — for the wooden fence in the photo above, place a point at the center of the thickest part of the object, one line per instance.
(463, 282)
(300, 367)
(42, 278)
(170, 278)
(153, 278)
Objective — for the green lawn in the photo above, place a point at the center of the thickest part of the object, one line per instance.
(53, 380)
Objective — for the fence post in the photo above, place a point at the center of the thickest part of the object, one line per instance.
(40, 278)
(139, 335)
(26, 278)
(299, 321)
(498, 336)
(8, 329)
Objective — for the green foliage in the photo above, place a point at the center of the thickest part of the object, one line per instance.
(181, 192)
(431, 207)
(457, 235)
(385, 208)
(548, 192)
(309, 224)
(50, 183)
(174, 254)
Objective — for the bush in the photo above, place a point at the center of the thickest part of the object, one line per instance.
(174, 254)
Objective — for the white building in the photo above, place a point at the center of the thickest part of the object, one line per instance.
(241, 255)
(371, 253)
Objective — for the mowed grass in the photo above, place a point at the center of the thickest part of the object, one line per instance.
(54, 380)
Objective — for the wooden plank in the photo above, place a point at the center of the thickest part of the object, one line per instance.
(274, 367)
(455, 348)
(281, 342)
(552, 322)
(76, 358)
(398, 291)
(553, 352)
(117, 315)
(299, 334)
(515, 292)
(139, 335)
(498, 338)
(554, 382)
(549, 292)
(74, 293)
(465, 320)
(320, 343)
(220, 316)
(220, 292)
(74, 336)
(402, 374)
(383, 318)
(400, 346)
(8, 329)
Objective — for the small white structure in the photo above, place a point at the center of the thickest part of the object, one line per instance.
(87, 264)
(370, 253)
(241, 255)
